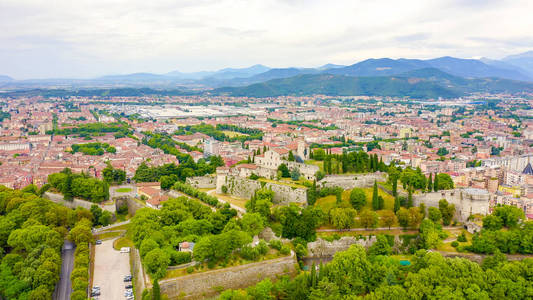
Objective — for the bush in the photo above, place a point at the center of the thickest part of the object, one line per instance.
(462, 237)
(190, 270)
(285, 250)
(182, 258)
(249, 253)
(455, 244)
(276, 244)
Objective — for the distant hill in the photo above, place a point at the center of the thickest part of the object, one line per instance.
(5, 78)
(472, 68)
(230, 73)
(379, 67)
(469, 68)
(340, 85)
(420, 83)
(523, 61)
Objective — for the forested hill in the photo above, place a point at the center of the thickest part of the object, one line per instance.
(339, 85)
(422, 83)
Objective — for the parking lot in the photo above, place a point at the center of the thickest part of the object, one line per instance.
(110, 267)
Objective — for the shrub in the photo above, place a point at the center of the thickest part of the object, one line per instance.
(276, 244)
(190, 270)
(455, 244)
(182, 258)
(285, 250)
(262, 248)
(462, 237)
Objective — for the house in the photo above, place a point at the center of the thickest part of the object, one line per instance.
(152, 194)
(186, 247)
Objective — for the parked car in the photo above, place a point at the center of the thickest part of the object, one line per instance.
(129, 286)
(98, 242)
(128, 278)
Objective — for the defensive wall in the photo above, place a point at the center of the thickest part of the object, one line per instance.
(202, 182)
(210, 283)
(348, 182)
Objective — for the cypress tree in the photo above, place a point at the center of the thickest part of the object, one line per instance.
(375, 199)
(430, 182)
(410, 197)
(313, 279)
(156, 291)
(436, 183)
(395, 186)
(396, 204)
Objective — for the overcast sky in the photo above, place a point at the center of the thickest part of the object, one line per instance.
(87, 38)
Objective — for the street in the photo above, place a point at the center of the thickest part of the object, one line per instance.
(110, 267)
(64, 287)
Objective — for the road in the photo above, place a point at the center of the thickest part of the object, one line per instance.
(95, 230)
(64, 287)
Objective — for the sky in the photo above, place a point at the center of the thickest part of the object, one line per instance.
(90, 38)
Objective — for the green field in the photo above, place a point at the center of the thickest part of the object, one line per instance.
(328, 202)
(123, 190)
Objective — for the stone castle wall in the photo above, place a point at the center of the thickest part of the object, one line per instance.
(245, 188)
(58, 198)
(322, 248)
(202, 182)
(467, 201)
(348, 182)
(210, 283)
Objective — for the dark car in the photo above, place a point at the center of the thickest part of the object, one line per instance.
(98, 242)
(129, 286)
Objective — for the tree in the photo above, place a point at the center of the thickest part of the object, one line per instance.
(422, 208)
(253, 223)
(156, 290)
(436, 183)
(410, 197)
(430, 182)
(492, 222)
(285, 173)
(312, 194)
(415, 217)
(147, 245)
(403, 217)
(443, 181)
(358, 198)
(430, 234)
(442, 151)
(388, 218)
(291, 156)
(395, 186)
(295, 174)
(510, 215)
(156, 262)
(447, 211)
(368, 218)
(380, 247)
(342, 218)
(375, 199)
(396, 203)
(434, 214)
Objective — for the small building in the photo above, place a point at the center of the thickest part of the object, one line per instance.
(186, 247)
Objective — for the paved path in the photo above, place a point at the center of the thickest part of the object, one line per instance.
(64, 286)
(240, 211)
(110, 226)
(110, 267)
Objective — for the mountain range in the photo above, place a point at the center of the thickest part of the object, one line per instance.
(440, 77)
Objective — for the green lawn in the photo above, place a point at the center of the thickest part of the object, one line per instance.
(122, 242)
(123, 190)
(328, 202)
(284, 182)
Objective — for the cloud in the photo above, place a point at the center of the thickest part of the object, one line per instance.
(85, 38)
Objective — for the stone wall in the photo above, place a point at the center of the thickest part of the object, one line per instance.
(348, 182)
(323, 248)
(58, 198)
(133, 206)
(467, 201)
(210, 283)
(245, 188)
(202, 182)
